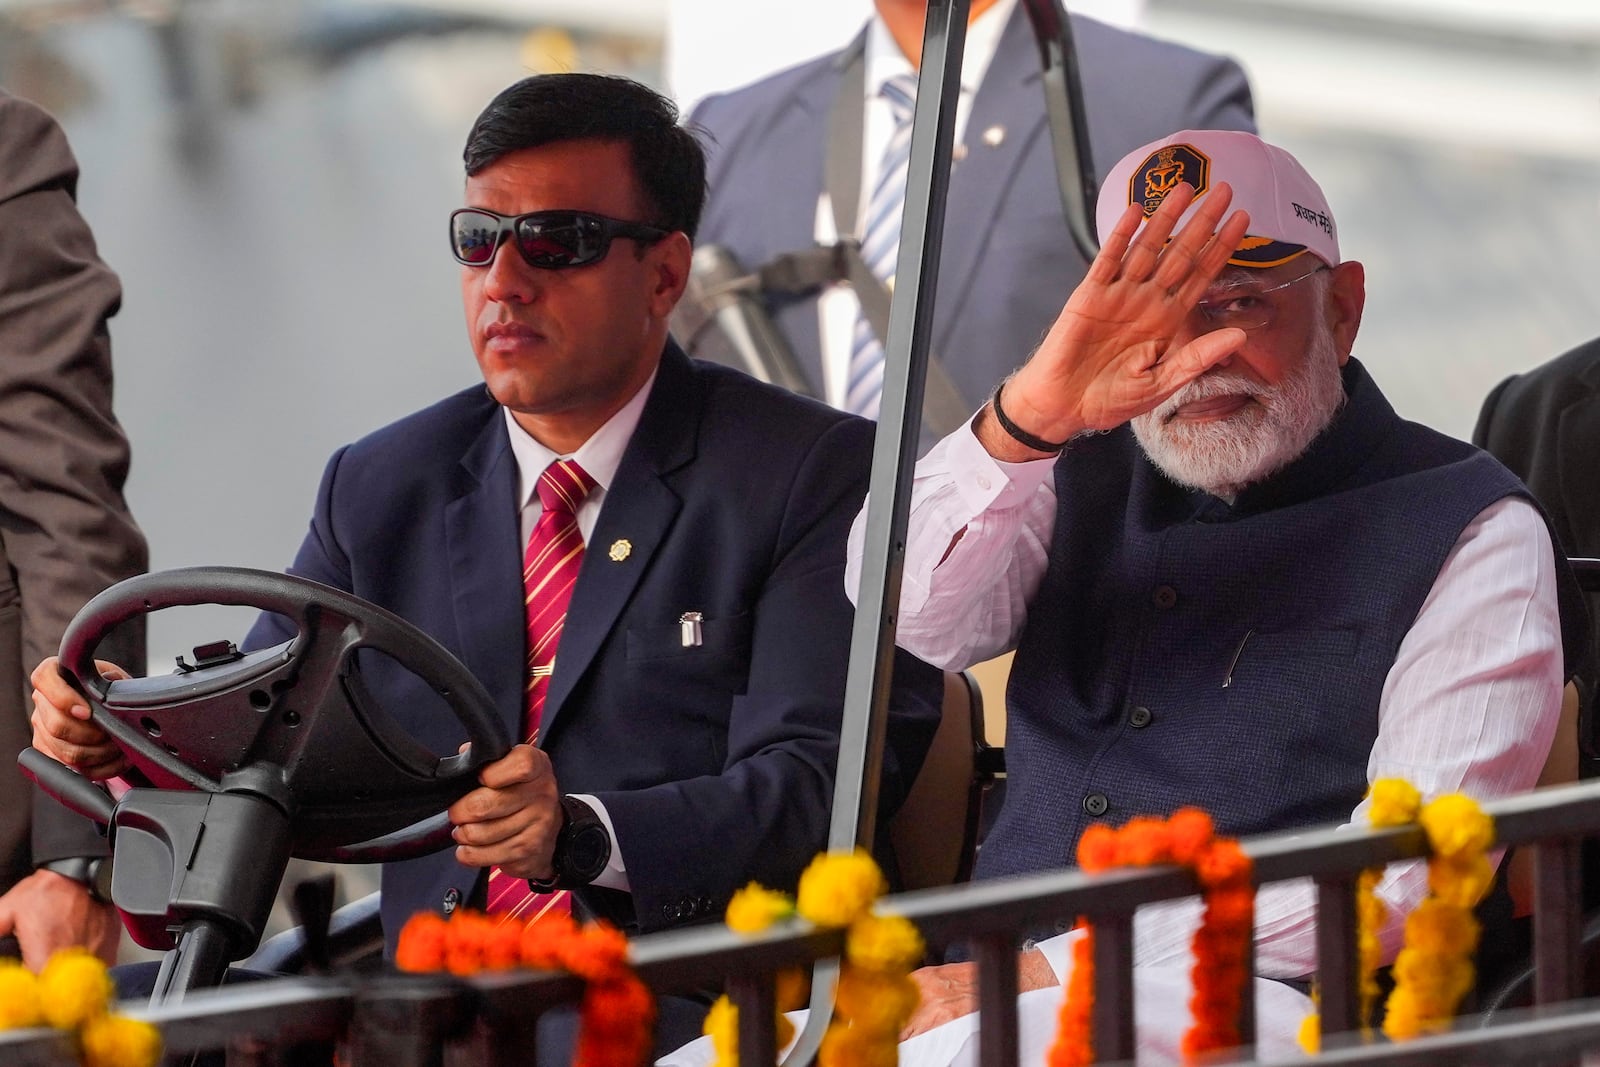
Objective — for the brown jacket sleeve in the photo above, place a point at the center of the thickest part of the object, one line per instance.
(65, 529)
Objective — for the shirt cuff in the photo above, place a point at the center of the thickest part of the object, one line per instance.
(986, 482)
(1057, 952)
(615, 876)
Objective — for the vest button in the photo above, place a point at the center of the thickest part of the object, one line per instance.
(1096, 804)
(1164, 597)
(451, 901)
(1139, 718)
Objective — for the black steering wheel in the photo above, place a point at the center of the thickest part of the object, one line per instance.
(293, 722)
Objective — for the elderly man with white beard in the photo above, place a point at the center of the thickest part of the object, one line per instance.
(1234, 578)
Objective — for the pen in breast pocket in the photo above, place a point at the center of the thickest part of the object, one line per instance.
(1227, 679)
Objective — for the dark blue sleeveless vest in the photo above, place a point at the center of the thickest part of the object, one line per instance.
(1182, 651)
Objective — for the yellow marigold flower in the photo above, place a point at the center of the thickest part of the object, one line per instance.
(884, 943)
(19, 997)
(1460, 880)
(1395, 802)
(722, 1026)
(793, 985)
(879, 1004)
(1455, 825)
(74, 987)
(839, 887)
(851, 1047)
(755, 908)
(118, 1041)
(1310, 1036)
(1437, 927)
(1400, 1022)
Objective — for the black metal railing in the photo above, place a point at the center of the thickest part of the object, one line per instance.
(401, 1021)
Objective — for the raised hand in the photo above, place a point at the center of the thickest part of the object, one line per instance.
(1110, 354)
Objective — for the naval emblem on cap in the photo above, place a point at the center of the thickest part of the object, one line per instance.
(1161, 173)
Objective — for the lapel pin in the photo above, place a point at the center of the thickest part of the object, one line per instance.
(994, 135)
(690, 622)
(621, 549)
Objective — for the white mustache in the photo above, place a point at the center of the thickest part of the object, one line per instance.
(1210, 384)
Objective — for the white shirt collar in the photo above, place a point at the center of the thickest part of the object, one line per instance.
(599, 456)
(884, 58)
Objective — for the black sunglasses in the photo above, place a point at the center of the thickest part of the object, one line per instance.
(551, 240)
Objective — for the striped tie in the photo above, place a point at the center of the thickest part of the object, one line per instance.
(549, 571)
(880, 246)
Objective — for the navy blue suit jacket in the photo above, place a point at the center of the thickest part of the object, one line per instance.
(715, 763)
(1008, 263)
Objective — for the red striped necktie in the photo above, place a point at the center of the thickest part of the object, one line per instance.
(549, 571)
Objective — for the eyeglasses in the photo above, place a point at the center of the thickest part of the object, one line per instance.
(1246, 306)
(550, 240)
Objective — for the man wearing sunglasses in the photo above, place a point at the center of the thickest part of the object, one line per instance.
(1233, 576)
(641, 557)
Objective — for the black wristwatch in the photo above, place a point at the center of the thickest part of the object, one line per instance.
(92, 872)
(583, 847)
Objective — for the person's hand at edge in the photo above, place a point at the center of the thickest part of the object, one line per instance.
(62, 727)
(47, 912)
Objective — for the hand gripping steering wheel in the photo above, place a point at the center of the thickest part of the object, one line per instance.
(293, 723)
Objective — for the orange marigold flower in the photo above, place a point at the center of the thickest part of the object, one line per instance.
(1142, 842)
(466, 932)
(1190, 831)
(74, 987)
(421, 946)
(1223, 863)
(1074, 1043)
(546, 939)
(502, 947)
(838, 887)
(1097, 847)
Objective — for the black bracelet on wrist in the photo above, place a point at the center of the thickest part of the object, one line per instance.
(1017, 433)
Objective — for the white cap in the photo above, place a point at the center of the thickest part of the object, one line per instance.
(1288, 213)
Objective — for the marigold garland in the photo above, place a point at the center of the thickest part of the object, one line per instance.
(875, 996)
(74, 992)
(1433, 970)
(1221, 944)
(618, 1009)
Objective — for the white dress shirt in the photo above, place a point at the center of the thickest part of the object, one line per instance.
(837, 306)
(599, 456)
(1470, 704)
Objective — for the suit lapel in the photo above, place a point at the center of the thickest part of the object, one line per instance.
(485, 561)
(639, 509)
(1008, 100)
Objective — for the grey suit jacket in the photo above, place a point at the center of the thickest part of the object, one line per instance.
(1008, 262)
(65, 530)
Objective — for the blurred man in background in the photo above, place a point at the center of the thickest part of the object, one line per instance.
(65, 529)
(1008, 260)
(1545, 425)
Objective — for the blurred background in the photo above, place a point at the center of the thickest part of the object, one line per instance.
(271, 181)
